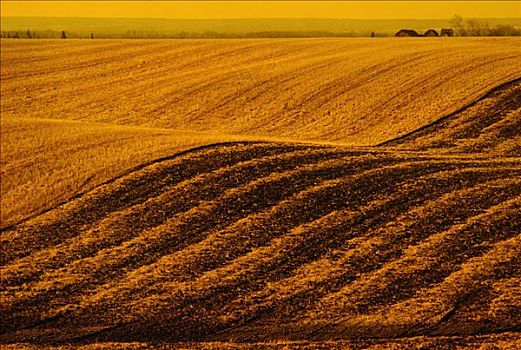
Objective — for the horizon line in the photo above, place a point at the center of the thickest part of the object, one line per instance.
(260, 18)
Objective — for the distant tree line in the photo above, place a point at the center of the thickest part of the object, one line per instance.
(462, 27)
(136, 34)
(31, 34)
(42, 34)
(474, 27)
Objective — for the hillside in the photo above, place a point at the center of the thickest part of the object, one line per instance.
(413, 242)
(490, 125)
(77, 113)
(353, 91)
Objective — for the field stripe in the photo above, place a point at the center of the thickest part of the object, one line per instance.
(228, 268)
(144, 185)
(206, 210)
(128, 222)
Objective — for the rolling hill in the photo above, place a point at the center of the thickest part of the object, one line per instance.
(354, 91)
(47, 161)
(415, 241)
(78, 113)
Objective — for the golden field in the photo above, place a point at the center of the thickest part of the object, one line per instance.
(263, 194)
(355, 91)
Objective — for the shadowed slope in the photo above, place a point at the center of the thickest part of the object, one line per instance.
(293, 248)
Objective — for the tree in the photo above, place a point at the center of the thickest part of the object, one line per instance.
(372, 35)
(63, 36)
(505, 30)
(457, 23)
(29, 35)
(475, 27)
(92, 35)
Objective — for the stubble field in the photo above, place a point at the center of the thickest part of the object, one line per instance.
(329, 193)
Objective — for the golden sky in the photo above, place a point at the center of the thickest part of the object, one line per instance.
(263, 9)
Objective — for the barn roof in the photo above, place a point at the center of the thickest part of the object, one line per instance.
(431, 31)
(409, 32)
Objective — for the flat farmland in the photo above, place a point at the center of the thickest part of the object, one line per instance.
(261, 194)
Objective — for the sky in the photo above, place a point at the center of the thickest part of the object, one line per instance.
(262, 9)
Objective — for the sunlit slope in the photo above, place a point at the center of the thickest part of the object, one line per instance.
(357, 91)
(267, 241)
(44, 162)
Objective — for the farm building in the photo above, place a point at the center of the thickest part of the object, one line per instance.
(447, 32)
(431, 32)
(406, 32)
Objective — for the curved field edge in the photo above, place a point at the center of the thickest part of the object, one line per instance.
(486, 125)
(46, 162)
(30, 167)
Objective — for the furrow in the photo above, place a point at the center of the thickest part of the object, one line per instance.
(182, 231)
(71, 219)
(438, 310)
(286, 295)
(240, 271)
(430, 260)
(272, 312)
(123, 225)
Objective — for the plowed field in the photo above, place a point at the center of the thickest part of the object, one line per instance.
(412, 241)
(356, 91)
